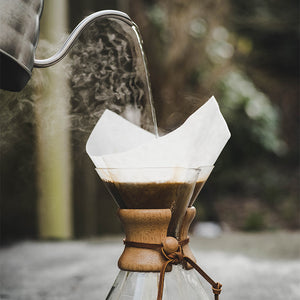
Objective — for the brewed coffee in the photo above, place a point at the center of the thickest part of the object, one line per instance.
(154, 195)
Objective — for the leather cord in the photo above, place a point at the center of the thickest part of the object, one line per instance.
(175, 258)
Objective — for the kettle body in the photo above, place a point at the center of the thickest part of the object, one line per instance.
(19, 34)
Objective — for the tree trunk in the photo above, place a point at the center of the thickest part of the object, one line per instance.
(53, 137)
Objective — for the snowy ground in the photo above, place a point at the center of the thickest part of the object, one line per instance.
(250, 266)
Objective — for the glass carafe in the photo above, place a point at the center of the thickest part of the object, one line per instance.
(163, 197)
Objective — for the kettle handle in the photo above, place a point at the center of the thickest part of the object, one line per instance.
(43, 63)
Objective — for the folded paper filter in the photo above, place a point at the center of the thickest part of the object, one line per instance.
(117, 143)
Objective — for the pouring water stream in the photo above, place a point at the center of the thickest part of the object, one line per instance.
(153, 114)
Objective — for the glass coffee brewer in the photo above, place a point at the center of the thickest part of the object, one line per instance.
(156, 212)
(155, 181)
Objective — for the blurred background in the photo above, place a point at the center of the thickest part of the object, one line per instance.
(246, 53)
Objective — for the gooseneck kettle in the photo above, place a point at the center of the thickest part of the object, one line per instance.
(19, 22)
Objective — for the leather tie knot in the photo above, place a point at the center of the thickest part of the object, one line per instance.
(172, 251)
(174, 258)
(217, 288)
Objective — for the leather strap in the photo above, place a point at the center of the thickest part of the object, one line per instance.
(175, 258)
(152, 246)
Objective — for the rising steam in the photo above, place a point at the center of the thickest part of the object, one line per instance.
(107, 73)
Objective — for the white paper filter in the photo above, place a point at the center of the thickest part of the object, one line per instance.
(113, 134)
(116, 143)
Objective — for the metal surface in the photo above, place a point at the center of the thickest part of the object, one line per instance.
(19, 22)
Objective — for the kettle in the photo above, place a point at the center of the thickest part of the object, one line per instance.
(19, 22)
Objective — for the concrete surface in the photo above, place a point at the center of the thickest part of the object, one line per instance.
(250, 266)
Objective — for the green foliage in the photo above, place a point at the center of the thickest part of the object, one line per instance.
(248, 109)
(273, 29)
(289, 210)
(254, 222)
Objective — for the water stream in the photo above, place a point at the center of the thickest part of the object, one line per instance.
(138, 35)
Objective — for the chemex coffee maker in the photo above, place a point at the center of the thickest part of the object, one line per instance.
(156, 199)
(19, 21)
(155, 182)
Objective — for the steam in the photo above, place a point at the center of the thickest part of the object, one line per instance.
(107, 74)
(16, 114)
(18, 110)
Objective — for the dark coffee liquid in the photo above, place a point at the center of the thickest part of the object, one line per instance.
(198, 187)
(154, 195)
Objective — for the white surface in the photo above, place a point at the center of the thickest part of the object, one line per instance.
(85, 270)
(207, 229)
